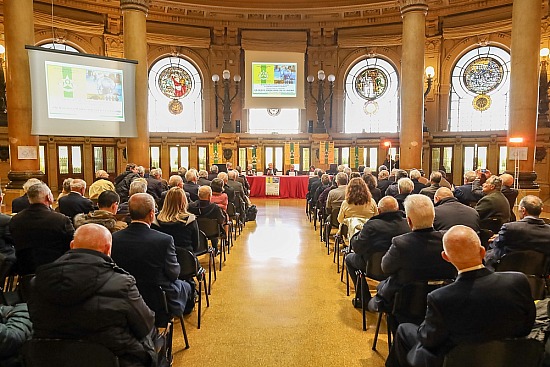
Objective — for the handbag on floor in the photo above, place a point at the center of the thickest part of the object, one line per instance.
(251, 213)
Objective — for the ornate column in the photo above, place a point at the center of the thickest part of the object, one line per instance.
(134, 13)
(524, 81)
(19, 32)
(413, 13)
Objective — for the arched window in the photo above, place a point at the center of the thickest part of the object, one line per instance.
(59, 46)
(371, 97)
(175, 96)
(479, 90)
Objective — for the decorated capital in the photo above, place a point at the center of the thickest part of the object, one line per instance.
(141, 5)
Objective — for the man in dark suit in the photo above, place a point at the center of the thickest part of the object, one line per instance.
(435, 183)
(509, 193)
(529, 233)
(291, 169)
(22, 202)
(479, 306)
(40, 235)
(405, 187)
(191, 185)
(493, 208)
(270, 170)
(383, 181)
(392, 189)
(450, 212)
(415, 175)
(242, 179)
(75, 203)
(6, 242)
(465, 193)
(229, 190)
(150, 256)
(203, 178)
(154, 184)
(314, 182)
(213, 172)
(375, 236)
(412, 256)
(203, 208)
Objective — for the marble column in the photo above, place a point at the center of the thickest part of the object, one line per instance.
(135, 48)
(413, 13)
(19, 32)
(524, 82)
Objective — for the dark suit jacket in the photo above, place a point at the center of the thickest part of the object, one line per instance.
(430, 190)
(74, 204)
(401, 200)
(417, 186)
(450, 212)
(383, 185)
(411, 257)
(212, 175)
(466, 195)
(270, 172)
(185, 234)
(203, 181)
(527, 234)
(154, 187)
(20, 203)
(206, 209)
(6, 242)
(148, 255)
(377, 233)
(40, 236)
(479, 306)
(238, 196)
(510, 194)
(246, 187)
(494, 205)
(193, 190)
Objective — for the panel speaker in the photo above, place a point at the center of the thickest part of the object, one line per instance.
(310, 126)
(238, 126)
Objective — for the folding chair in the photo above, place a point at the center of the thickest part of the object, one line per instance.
(190, 268)
(211, 229)
(204, 249)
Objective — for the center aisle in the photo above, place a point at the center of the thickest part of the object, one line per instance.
(279, 302)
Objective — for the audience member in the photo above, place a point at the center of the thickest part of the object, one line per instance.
(65, 188)
(173, 181)
(325, 184)
(203, 208)
(493, 208)
(22, 202)
(450, 212)
(150, 256)
(213, 172)
(239, 199)
(123, 181)
(412, 256)
(358, 201)
(138, 186)
(435, 183)
(405, 187)
(509, 193)
(15, 329)
(191, 185)
(313, 183)
(372, 184)
(415, 175)
(465, 193)
(40, 235)
(270, 170)
(242, 179)
(218, 196)
(529, 233)
(6, 242)
(154, 183)
(75, 203)
(174, 220)
(444, 182)
(85, 295)
(108, 202)
(479, 306)
(383, 181)
(375, 236)
(338, 195)
(203, 178)
(101, 183)
(182, 171)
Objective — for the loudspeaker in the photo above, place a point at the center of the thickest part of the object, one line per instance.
(310, 126)
(238, 126)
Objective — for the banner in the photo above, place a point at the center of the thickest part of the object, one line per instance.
(356, 158)
(272, 185)
(326, 152)
(292, 153)
(254, 157)
(215, 153)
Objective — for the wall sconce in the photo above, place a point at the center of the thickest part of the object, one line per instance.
(320, 101)
(430, 72)
(226, 100)
(543, 89)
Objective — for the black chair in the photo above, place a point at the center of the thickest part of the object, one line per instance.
(204, 249)
(190, 268)
(492, 224)
(501, 353)
(484, 236)
(331, 223)
(339, 238)
(234, 220)
(7, 297)
(373, 271)
(212, 230)
(534, 264)
(66, 353)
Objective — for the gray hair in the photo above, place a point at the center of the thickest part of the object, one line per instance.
(415, 174)
(420, 210)
(137, 186)
(29, 183)
(38, 193)
(78, 185)
(190, 175)
(155, 172)
(203, 173)
(174, 180)
(214, 168)
(341, 178)
(532, 205)
(232, 175)
(405, 185)
(382, 175)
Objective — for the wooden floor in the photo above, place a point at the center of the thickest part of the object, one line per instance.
(279, 302)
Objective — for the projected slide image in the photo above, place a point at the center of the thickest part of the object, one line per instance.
(84, 92)
(274, 79)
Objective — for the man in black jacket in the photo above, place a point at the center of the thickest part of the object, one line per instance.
(479, 306)
(375, 236)
(203, 208)
(22, 202)
(85, 295)
(123, 181)
(465, 193)
(75, 203)
(450, 212)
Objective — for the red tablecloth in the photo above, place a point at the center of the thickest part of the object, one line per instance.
(289, 186)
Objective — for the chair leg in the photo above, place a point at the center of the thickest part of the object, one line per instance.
(336, 247)
(200, 306)
(363, 308)
(377, 330)
(205, 292)
(388, 330)
(347, 280)
(343, 265)
(184, 332)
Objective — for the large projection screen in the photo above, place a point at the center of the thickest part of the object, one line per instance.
(81, 95)
(274, 79)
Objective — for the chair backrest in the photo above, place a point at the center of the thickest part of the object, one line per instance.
(334, 217)
(155, 298)
(492, 224)
(231, 211)
(374, 266)
(531, 263)
(62, 352)
(501, 353)
(203, 244)
(410, 301)
(210, 227)
(188, 263)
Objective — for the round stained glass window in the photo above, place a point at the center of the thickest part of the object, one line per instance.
(483, 75)
(371, 83)
(175, 82)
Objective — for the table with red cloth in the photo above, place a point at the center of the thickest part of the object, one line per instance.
(289, 186)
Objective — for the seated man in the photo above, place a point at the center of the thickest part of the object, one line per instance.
(412, 256)
(150, 256)
(479, 306)
(39, 234)
(465, 193)
(15, 329)
(101, 184)
(509, 193)
(405, 187)
(450, 212)
(22, 202)
(435, 183)
(375, 236)
(336, 197)
(203, 208)
(270, 170)
(493, 208)
(529, 233)
(191, 185)
(6, 242)
(75, 203)
(291, 169)
(85, 295)
(108, 205)
(154, 183)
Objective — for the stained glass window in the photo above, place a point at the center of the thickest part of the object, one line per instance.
(175, 96)
(479, 90)
(59, 46)
(371, 97)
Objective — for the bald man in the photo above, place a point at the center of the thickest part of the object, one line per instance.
(85, 295)
(479, 306)
(203, 208)
(450, 212)
(375, 236)
(509, 193)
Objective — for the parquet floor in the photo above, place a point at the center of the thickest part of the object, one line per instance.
(279, 302)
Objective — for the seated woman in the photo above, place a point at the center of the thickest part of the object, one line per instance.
(358, 202)
(218, 196)
(174, 220)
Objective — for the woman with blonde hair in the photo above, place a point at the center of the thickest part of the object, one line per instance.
(359, 202)
(174, 220)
